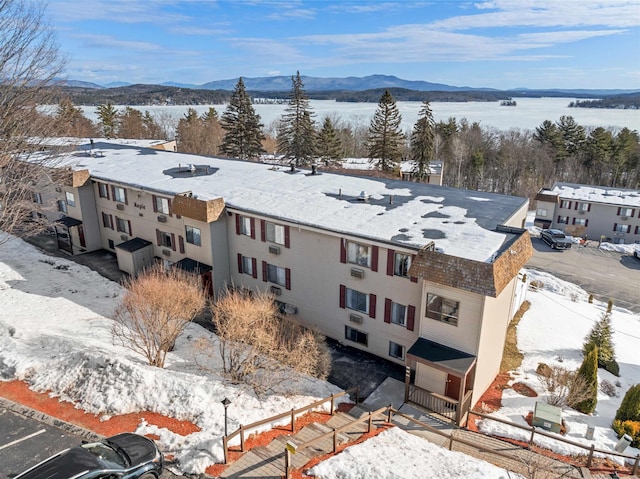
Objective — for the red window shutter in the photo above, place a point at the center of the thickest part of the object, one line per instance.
(637, 229)
(287, 240)
(130, 230)
(287, 278)
(374, 258)
(343, 296)
(170, 213)
(159, 237)
(254, 267)
(615, 226)
(126, 201)
(589, 207)
(104, 219)
(414, 279)
(372, 306)
(343, 251)
(632, 213)
(111, 221)
(263, 232)
(576, 206)
(113, 192)
(264, 271)
(237, 224)
(181, 243)
(253, 228)
(155, 204)
(558, 218)
(240, 264)
(628, 228)
(391, 255)
(173, 241)
(387, 310)
(411, 317)
(586, 223)
(619, 210)
(574, 221)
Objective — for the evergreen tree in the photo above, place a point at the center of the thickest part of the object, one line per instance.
(243, 131)
(329, 145)
(589, 371)
(130, 124)
(600, 337)
(296, 132)
(108, 117)
(629, 409)
(385, 137)
(211, 133)
(422, 142)
(188, 132)
(71, 121)
(550, 136)
(573, 134)
(153, 130)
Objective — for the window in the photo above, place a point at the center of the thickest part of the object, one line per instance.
(442, 309)
(123, 226)
(398, 314)
(563, 220)
(565, 204)
(401, 264)
(161, 205)
(247, 265)
(580, 221)
(354, 335)
(37, 198)
(396, 350)
(245, 226)
(276, 274)
(625, 212)
(358, 254)
(71, 199)
(165, 239)
(193, 235)
(356, 300)
(542, 212)
(622, 228)
(119, 194)
(103, 190)
(107, 220)
(62, 206)
(274, 233)
(581, 206)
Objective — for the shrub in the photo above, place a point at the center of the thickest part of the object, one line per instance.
(590, 299)
(600, 336)
(543, 370)
(629, 409)
(613, 367)
(609, 305)
(608, 388)
(562, 386)
(632, 428)
(589, 373)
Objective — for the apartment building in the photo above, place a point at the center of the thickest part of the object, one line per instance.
(419, 274)
(604, 213)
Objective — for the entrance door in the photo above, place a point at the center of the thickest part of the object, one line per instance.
(452, 388)
(83, 242)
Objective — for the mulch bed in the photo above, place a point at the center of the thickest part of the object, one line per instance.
(524, 390)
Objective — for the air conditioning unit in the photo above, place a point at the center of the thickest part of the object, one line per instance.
(162, 219)
(275, 290)
(120, 206)
(624, 218)
(290, 309)
(582, 212)
(274, 249)
(355, 318)
(357, 273)
(166, 252)
(124, 237)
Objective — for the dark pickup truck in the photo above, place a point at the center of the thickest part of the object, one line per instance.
(555, 238)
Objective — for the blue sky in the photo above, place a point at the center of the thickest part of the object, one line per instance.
(498, 44)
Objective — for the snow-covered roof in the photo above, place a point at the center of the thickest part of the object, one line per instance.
(595, 194)
(460, 222)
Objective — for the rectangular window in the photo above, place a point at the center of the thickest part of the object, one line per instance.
(107, 221)
(193, 235)
(119, 194)
(398, 314)
(354, 335)
(621, 228)
(165, 239)
(161, 205)
(62, 206)
(563, 220)
(356, 300)
(276, 274)
(581, 206)
(71, 199)
(274, 233)
(565, 204)
(442, 309)
(580, 221)
(123, 226)
(103, 190)
(247, 265)
(396, 350)
(359, 254)
(541, 212)
(401, 264)
(245, 226)
(626, 212)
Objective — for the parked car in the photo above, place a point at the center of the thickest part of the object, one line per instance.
(555, 238)
(636, 253)
(125, 455)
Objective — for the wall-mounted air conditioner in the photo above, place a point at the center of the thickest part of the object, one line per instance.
(624, 218)
(290, 309)
(166, 252)
(582, 212)
(120, 206)
(357, 273)
(162, 219)
(274, 249)
(275, 290)
(124, 237)
(355, 318)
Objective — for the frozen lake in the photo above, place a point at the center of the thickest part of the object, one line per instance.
(529, 113)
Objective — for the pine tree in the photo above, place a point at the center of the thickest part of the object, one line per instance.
(600, 337)
(243, 131)
(385, 137)
(422, 142)
(71, 121)
(296, 132)
(589, 371)
(329, 145)
(108, 117)
(130, 124)
(629, 409)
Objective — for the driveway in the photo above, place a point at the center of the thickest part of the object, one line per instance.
(605, 274)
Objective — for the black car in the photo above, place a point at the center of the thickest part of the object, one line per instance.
(125, 456)
(555, 238)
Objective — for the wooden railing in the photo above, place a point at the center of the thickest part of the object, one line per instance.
(241, 431)
(442, 405)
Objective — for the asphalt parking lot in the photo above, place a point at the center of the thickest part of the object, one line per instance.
(605, 274)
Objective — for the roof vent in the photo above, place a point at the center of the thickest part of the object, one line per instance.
(363, 196)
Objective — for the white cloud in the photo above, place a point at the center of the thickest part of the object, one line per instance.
(121, 11)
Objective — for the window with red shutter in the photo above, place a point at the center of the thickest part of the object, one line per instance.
(374, 258)
(264, 271)
(411, 317)
(173, 241)
(263, 234)
(343, 296)
(253, 228)
(254, 268)
(159, 237)
(287, 276)
(181, 243)
(387, 310)
(240, 263)
(155, 203)
(390, 261)
(343, 251)
(372, 306)
(287, 240)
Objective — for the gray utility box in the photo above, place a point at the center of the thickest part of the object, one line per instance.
(547, 417)
(623, 443)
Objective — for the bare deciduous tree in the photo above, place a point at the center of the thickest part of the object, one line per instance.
(29, 64)
(155, 309)
(563, 387)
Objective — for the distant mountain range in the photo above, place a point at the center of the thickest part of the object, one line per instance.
(317, 84)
